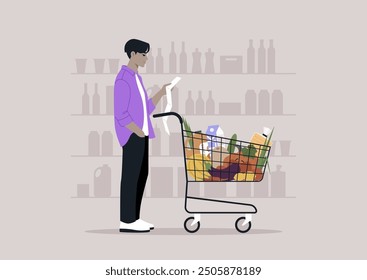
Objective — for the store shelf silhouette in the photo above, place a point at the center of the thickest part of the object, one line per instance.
(261, 60)
(262, 104)
(91, 103)
(99, 65)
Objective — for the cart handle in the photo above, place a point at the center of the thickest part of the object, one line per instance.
(168, 114)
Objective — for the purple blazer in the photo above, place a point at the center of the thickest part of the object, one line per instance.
(128, 106)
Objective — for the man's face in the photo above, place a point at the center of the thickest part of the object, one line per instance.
(139, 58)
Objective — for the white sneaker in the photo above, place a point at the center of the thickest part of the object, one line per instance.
(137, 226)
(151, 226)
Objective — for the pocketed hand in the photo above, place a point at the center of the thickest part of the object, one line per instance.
(140, 133)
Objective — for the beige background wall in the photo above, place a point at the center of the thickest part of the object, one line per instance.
(322, 42)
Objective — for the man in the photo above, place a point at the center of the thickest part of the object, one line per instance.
(133, 128)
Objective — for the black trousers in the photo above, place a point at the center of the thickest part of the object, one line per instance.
(133, 178)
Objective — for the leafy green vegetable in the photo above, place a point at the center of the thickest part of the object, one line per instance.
(232, 144)
(249, 151)
(188, 133)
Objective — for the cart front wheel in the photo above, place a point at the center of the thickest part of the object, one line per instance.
(191, 228)
(242, 228)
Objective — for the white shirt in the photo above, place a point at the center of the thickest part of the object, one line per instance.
(142, 95)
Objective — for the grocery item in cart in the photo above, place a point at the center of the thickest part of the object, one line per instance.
(213, 134)
(193, 140)
(261, 139)
(213, 131)
(218, 157)
(225, 174)
(244, 176)
(197, 166)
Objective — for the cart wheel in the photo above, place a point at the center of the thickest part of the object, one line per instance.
(189, 228)
(241, 228)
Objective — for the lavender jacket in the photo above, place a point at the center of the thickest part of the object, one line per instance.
(128, 105)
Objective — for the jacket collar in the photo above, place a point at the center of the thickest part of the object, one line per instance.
(129, 70)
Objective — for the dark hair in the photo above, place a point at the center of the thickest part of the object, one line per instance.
(135, 45)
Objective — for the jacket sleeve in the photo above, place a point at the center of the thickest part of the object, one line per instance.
(122, 95)
(150, 106)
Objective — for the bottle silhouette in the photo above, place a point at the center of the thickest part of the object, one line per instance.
(251, 58)
(102, 181)
(159, 62)
(196, 65)
(209, 62)
(199, 105)
(175, 140)
(156, 144)
(189, 105)
(250, 102)
(150, 62)
(261, 58)
(172, 60)
(175, 100)
(277, 102)
(96, 101)
(261, 189)
(210, 104)
(85, 101)
(271, 58)
(109, 100)
(107, 143)
(278, 183)
(183, 60)
(264, 102)
(93, 144)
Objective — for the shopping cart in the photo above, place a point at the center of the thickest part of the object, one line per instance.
(211, 158)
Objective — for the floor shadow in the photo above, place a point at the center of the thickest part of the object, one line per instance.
(182, 231)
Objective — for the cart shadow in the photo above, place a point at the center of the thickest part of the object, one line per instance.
(181, 231)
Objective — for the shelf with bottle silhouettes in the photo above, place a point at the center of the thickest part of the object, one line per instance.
(262, 103)
(260, 62)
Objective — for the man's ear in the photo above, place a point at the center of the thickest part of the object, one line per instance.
(132, 53)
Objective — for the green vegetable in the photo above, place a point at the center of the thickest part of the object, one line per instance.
(262, 158)
(207, 165)
(249, 151)
(232, 144)
(188, 133)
